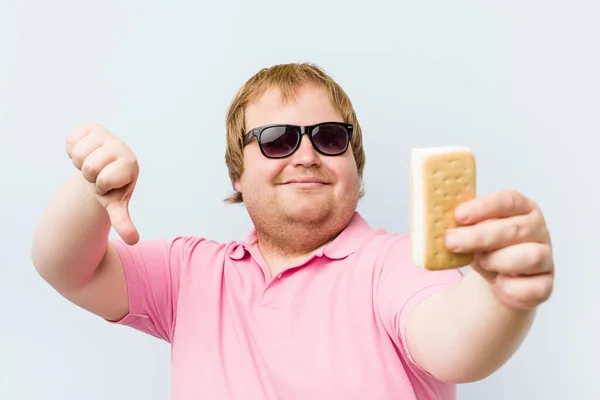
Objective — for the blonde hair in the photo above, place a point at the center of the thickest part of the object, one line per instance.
(287, 78)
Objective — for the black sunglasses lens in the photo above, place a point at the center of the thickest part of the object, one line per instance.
(331, 139)
(279, 141)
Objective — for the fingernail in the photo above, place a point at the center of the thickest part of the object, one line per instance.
(452, 240)
(461, 212)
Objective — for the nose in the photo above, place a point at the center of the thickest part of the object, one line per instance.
(306, 155)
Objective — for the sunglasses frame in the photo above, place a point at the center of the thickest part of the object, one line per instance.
(304, 130)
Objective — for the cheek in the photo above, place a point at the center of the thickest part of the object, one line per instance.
(345, 172)
(259, 171)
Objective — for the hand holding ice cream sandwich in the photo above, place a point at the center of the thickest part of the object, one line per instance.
(508, 235)
(479, 322)
(503, 235)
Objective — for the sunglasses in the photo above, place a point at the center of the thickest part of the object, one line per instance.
(282, 140)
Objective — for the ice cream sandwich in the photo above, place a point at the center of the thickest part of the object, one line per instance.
(441, 178)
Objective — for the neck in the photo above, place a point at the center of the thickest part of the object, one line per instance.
(287, 244)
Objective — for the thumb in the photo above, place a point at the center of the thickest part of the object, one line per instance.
(120, 219)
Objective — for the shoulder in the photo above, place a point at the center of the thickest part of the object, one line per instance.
(177, 248)
(362, 241)
(385, 246)
(387, 256)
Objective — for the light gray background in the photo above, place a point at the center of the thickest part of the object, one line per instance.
(515, 80)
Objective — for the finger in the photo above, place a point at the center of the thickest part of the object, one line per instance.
(505, 203)
(77, 134)
(494, 234)
(518, 260)
(115, 175)
(84, 147)
(488, 275)
(120, 220)
(523, 293)
(95, 162)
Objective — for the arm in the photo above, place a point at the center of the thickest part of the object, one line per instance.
(464, 333)
(469, 330)
(71, 252)
(70, 247)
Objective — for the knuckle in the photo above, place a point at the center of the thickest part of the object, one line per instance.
(487, 261)
(483, 260)
(534, 206)
(477, 241)
(125, 149)
(132, 165)
(78, 158)
(128, 160)
(95, 127)
(90, 171)
(118, 147)
(103, 179)
(545, 233)
(78, 131)
(70, 142)
(541, 228)
(543, 290)
(535, 257)
(102, 184)
(512, 199)
(100, 133)
(519, 230)
(481, 241)
(533, 260)
(540, 255)
(515, 231)
(511, 291)
(132, 175)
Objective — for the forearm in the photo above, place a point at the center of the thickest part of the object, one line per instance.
(464, 333)
(72, 235)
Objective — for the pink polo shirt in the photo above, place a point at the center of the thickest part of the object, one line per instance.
(329, 328)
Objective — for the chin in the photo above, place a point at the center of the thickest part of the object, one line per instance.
(307, 210)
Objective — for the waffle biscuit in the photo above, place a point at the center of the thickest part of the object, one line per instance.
(440, 179)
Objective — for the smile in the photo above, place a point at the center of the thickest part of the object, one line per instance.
(306, 184)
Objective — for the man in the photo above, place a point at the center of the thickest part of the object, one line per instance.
(314, 304)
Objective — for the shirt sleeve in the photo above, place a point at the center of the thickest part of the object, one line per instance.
(152, 272)
(402, 286)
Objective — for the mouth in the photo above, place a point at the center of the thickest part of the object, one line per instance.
(305, 180)
(306, 183)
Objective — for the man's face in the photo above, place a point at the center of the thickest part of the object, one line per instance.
(273, 189)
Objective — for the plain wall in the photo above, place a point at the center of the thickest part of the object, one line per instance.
(517, 81)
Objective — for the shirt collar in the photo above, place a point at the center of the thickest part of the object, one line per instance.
(346, 243)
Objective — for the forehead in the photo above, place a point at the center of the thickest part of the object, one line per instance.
(310, 105)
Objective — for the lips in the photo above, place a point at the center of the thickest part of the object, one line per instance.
(305, 180)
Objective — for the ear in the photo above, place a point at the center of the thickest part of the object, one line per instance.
(237, 185)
